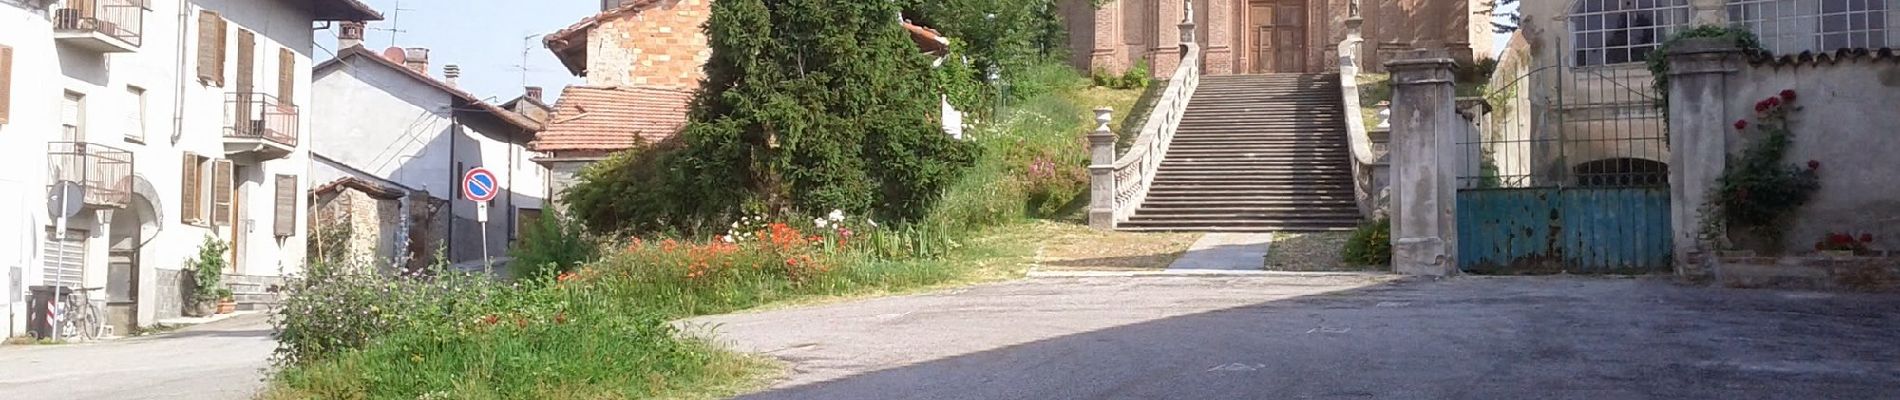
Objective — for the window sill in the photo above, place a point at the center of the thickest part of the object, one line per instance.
(134, 140)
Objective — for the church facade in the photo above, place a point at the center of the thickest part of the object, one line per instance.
(1268, 36)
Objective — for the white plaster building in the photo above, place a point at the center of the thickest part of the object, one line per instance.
(422, 134)
(182, 120)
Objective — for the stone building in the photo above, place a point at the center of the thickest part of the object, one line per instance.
(1267, 36)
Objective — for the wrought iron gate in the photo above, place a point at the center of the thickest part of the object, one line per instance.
(1566, 173)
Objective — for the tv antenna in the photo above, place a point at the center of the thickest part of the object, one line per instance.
(395, 23)
(527, 45)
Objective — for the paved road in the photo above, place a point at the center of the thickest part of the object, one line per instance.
(220, 360)
(1334, 338)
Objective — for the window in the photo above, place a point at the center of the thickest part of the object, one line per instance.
(246, 62)
(286, 77)
(135, 120)
(65, 258)
(1795, 26)
(284, 213)
(191, 198)
(211, 48)
(6, 83)
(207, 190)
(72, 117)
(1605, 32)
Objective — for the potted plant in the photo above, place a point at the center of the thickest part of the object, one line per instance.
(226, 304)
(1845, 245)
(207, 276)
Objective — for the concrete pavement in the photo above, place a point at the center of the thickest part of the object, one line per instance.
(219, 360)
(1281, 337)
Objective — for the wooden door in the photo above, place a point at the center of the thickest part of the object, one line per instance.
(1277, 34)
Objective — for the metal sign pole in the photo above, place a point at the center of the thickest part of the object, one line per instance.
(481, 215)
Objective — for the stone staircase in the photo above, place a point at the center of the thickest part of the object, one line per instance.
(254, 292)
(1255, 153)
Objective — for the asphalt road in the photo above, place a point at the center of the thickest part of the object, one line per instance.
(1333, 338)
(219, 360)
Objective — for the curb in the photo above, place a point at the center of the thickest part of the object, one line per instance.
(1196, 273)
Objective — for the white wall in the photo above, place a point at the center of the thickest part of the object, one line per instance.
(23, 216)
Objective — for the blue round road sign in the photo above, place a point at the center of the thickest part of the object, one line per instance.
(479, 185)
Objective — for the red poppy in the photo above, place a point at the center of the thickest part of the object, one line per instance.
(1867, 238)
(1812, 164)
(1787, 95)
(1741, 124)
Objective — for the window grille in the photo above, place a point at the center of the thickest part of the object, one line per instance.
(1606, 32)
(1795, 26)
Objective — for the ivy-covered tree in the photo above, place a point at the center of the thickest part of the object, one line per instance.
(807, 106)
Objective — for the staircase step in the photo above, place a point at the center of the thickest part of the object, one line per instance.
(1285, 213)
(1313, 180)
(1326, 205)
(1280, 228)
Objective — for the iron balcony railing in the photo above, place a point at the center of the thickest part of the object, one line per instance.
(260, 116)
(105, 171)
(122, 19)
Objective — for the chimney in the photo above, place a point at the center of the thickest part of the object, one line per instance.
(395, 55)
(534, 92)
(417, 58)
(451, 73)
(350, 34)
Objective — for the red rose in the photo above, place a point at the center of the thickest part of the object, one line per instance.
(1741, 124)
(1773, 101)
(1787, 95)
(1867, 238)
(1761, 106)
(1838, 238)
(1812, 164)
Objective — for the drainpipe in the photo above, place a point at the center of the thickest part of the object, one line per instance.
(178, 94)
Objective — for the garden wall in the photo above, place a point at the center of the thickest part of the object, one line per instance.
(1849, 121)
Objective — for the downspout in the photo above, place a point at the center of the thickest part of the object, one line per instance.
(455, 184)
(178, 94)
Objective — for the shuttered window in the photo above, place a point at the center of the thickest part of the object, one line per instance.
(284, 218)
(6, 83)
(65, 259)
(211, 48)
(286, 77)
(191, 201)
(246, 62)
(221, 193)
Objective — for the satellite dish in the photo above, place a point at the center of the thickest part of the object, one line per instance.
(66, 199)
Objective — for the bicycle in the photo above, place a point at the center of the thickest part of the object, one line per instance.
(79, 316)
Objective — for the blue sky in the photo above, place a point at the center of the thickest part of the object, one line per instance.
(485, 37)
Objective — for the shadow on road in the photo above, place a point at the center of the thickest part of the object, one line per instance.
(1542, 337)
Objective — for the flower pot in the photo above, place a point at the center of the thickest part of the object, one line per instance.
(227, 306)
(1837, 253)
(197, 309)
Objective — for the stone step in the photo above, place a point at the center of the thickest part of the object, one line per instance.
(1287, 213)
(1262, 204)
(1238, 229)
(1249, 225)
(1342, 166)
(1217, 180)
(1222, 197)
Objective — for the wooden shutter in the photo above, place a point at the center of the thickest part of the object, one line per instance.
(221, 192)
(6, 83)
(191, 200)
(246, 62)
(211, 48)
(284, 218)
(286, 77)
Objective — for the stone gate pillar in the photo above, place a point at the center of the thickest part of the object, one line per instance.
(1425, 130)
(1699, 132)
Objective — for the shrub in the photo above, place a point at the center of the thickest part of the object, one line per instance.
(551, 245)
(207, 271)
(1371, 244)
(336, 309)
(1136, 77)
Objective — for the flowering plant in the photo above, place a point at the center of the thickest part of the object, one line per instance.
(1846, 242)
(1759, 190)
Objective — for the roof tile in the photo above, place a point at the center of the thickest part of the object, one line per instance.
(598, 118)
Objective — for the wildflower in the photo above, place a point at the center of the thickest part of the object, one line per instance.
(872, 222)
(1741, 124)
(490, 319)
(836, 215)
(1787, 95)
(821, 223)
(560, 317)
(725, 238)
(844, 232)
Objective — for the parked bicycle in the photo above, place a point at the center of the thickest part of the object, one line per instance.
(78, 316)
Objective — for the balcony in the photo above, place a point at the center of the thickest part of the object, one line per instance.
(105, 171)
(257, 125)
(106, 26)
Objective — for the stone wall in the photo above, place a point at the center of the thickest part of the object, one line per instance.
(173, 285)
(659, 47)
(1833, 273)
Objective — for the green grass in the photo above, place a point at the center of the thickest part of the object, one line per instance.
(614, 342)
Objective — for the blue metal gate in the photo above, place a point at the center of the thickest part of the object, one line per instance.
(1565, 173)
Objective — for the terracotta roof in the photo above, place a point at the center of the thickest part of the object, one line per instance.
(598, 118)
(344, 10)
(1814, 58)
(364, 56)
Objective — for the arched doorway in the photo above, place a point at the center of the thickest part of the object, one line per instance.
(131, 228)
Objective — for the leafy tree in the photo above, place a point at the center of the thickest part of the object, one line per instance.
(1501, 21)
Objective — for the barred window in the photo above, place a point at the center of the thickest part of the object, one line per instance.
(1622, 31)
(1795, 26)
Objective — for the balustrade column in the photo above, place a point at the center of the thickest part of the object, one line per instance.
(1102, 172)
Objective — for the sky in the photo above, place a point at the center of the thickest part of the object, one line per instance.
(485, 37)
